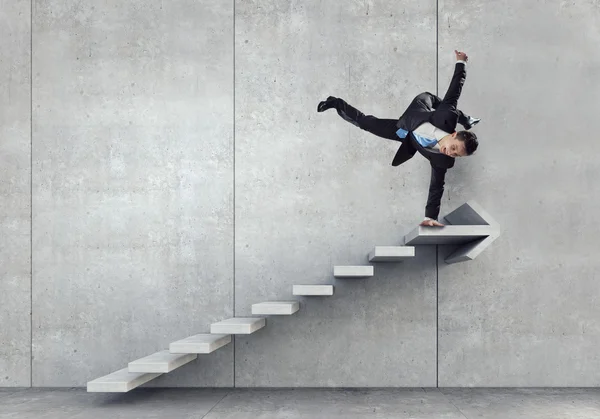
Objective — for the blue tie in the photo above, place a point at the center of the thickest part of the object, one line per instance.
(424, 141)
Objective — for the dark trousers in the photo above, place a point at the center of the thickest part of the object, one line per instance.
(385, 128)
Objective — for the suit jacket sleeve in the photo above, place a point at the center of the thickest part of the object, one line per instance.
(436, 190)
(435, 100)
(455, 88)
(425, 101)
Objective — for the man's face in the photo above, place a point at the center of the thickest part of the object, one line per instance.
(454, 147)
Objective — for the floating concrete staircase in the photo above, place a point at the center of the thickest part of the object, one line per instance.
(469, 228)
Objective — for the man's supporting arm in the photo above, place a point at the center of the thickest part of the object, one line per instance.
(436, 190)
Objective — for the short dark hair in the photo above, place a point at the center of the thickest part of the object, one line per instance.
(470, 140)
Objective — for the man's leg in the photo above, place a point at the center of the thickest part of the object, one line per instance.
(466, 121)
(385, 128)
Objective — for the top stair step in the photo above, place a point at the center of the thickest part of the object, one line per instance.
(449, 234)
(353, 271)
(391, 253)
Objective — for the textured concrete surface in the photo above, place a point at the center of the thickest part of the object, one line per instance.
(305, 404)
(304, 186)
(133, 191)
(132, 185)
(525, 312)
(15, 194)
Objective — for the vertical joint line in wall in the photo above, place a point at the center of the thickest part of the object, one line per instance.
(233, 209)
(437, 252)
(437, 41)
(233, 158)
(437, 317)
(31, 193)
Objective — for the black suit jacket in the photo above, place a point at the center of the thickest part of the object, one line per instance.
(442, 114)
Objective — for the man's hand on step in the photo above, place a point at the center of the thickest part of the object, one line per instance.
(431, 223)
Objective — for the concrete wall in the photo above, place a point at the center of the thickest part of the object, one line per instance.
(132, 185)
(313, 191)
(15, 194)
(150, 221)
(526, 312)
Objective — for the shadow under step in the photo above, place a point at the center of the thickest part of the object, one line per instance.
(120, 381)
(281, 308)
(238, 326)
(199, 344)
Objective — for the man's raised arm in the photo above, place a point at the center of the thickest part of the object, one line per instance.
(458, 79)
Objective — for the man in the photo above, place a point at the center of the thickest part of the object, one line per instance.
(428, 126)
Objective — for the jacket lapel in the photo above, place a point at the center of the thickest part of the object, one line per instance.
(412, 118)
(405, 152)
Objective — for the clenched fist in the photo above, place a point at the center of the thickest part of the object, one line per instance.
(461, 56)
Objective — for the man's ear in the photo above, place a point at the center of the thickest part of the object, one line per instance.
(454, 134)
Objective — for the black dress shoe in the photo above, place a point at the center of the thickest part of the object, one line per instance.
(472, 122)
(327, 104)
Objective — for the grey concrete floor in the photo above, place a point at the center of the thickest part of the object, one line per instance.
(415, 403)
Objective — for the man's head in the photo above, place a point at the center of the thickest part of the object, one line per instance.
(460, 144)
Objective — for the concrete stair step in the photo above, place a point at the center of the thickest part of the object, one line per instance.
(161, 362)
(120, 381)
(275, 308)
(238, 325)
(391, 253)
(312, 290)
(199, 344)
(353, 271)
(449, 234)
